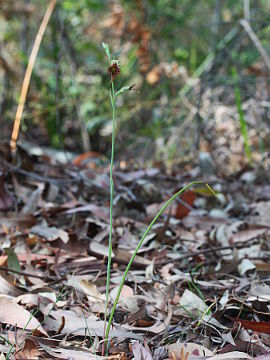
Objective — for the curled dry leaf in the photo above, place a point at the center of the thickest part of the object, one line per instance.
(6, 288)
(258, 326)
(185, 204)
(50, 233)
(91, 291)
(245, 266)
(86, 287)
(126, 292)
(29, 351)
(99, 212)
(192, 304)
(87, 159)
(27, 299)
(100, 249)
(157, 328)
(127, 299)
(140, 353)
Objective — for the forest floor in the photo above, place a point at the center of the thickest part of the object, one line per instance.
(198, 289)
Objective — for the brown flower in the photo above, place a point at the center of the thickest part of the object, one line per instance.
(114, 69)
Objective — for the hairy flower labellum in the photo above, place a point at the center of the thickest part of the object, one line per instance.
(114, 69)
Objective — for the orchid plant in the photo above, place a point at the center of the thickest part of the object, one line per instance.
(114, 71)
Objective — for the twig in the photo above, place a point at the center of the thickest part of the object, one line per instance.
(256, 42)
(6, 269)
(216, 23)
(247, 10)
(207, 64)
(207, 251)
(28, 73)
(46, 179)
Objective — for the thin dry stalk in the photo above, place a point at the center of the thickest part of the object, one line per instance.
(28, 73)
(256, 41)
(247, 10)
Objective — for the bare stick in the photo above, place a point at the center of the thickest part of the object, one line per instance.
(247, 10)
(256, 42)
(28, 73)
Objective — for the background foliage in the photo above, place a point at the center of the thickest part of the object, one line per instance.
(164, 47)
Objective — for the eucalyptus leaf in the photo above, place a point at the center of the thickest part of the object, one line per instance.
(13, 261)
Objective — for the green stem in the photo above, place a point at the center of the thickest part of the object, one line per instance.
(137, 249)
(6, 340)
(112, 97)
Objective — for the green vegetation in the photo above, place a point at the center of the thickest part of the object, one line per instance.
(162, 46)
(114, 71)
(243, 125)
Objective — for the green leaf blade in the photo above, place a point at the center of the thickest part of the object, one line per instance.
(13, 261)
(107, 50)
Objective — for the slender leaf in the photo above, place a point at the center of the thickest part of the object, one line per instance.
(107, 50)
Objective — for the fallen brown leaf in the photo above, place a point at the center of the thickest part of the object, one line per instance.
(259, 326)
(14, 314)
